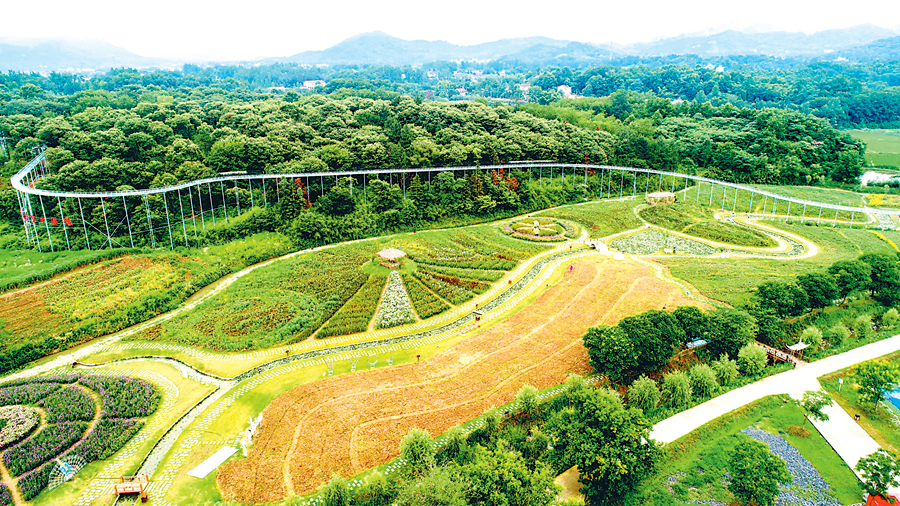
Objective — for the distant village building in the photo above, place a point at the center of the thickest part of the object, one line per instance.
(524, 87)
(462, 91)
(308, 85)
(565, 89)
(432, 74)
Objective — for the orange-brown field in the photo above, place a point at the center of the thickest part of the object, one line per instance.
(350, 423)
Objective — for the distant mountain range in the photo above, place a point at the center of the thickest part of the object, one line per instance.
(863, 42)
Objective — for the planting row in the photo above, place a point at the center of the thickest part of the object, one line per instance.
(453, 293)
(355, 315)
(396, 308)
(426, 302)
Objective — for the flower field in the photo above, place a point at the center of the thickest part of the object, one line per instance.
(425, 301)
(352, 422)
(651, 242)
(355, 315)
(73, 425)
(396, 308)
(332, 292)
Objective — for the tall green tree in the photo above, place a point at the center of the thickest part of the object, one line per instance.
(610, 444)
(756, 473)
(821, 288)
(729, 330)
(851, 276)
(611, 351)
(879, 472)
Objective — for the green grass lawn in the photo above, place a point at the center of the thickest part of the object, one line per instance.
(602, 218)
(21, 267)
(698, 220)
(731, 280)
(876, 420)
(699, 460)
(882, 146)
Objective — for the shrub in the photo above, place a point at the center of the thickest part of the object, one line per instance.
(890, 318)
(836, 335)
(336, 492)
(528, 399)
(756, 473)
(703, 380)
(417, 453)
(643, 394)
(812, 336)
(676, 389)
(862, 326)
(726, 370)
(752, 359)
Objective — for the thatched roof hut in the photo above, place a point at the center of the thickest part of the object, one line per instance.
(391, 254)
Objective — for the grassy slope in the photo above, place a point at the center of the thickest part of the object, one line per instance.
(601, 218)
(703, 455)
(697, 220)
(730, 280)
(882, 146)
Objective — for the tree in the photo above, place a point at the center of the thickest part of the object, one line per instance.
(528, 399)
(812, 336)
(643, 394)
(726, 370)
(693, 321)
(836, 335)
(703, 380)
(885, 277)
(437, 487)
(862, 326)
(783, 299)
(338, 201)
(676, 389)
(879, 472)
(820, 287)
(729, 330)
(812, 404)
(336, 492)
(610, 351)
(756, 473)
(610, 444)
(657, 332)
(873, 379)
(890, 318)
(417, 453)
(850, 276)
(752, 359)
(501, 477)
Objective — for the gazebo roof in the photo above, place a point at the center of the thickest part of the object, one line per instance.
(391, 254)
(799, 346)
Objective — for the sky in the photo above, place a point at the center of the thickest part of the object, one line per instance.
(232, 30)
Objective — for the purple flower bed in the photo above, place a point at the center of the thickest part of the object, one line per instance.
(43, 447)
(25, 394)
(106, 438)
(69, 404)
(5, 498)
(124, 397)
(35, 482)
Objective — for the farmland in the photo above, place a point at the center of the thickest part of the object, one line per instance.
(882, 146)
(349, 423)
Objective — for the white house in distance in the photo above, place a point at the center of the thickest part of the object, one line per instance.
(432, 74)
(308, 85)
(565, 89)
(462, 91)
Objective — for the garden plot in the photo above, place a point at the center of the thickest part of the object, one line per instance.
(651, 242)
(336, 291)
(349, 423)
(74, 424)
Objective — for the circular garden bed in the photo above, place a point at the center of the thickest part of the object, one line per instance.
(540, 229)
(74, 423)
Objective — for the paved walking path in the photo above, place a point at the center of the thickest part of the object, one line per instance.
(793, 382)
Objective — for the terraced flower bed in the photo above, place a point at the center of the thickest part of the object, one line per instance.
(75, 423)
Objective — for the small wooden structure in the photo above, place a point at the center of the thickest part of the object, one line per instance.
(660, 198)
(133, 485)
(797, 349)
(390, 257)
